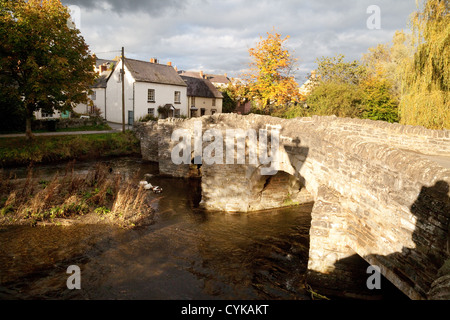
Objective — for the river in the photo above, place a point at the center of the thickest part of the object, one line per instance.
(187, 253)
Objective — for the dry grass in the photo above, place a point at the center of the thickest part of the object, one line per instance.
(100, 194)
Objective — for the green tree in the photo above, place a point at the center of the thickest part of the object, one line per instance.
(336, 88)
(270, 80)
(44, 63)
(378, 102)
(426, 87)
(383, 82)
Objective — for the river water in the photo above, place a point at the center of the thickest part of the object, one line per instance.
(187, 253)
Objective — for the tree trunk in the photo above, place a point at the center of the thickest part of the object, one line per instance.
(28, 132)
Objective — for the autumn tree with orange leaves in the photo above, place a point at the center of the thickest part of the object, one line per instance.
(271, 83)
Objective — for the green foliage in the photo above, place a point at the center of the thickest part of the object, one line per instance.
(295, 111)
(147, 118)
(332, 98)
(229, 104)
(352, 89)
(336, 88)
(102, 211)
(45, 64)
(337, 70)
(12, 112)
(378, 101)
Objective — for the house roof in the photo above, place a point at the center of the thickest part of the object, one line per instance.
(143, 71)
(218, 78)
(198, 87)
(99, 62)
(102, 80)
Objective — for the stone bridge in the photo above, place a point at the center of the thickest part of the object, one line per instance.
(380, 190)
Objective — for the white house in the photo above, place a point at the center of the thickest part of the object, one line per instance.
(98, 97)
(149, 86)
(307, 87)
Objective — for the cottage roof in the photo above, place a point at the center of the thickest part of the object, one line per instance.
(99, 62)
(198, 87)
(143, 71)
(102, 80)
(218, 78)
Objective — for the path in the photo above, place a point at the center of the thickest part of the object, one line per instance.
(115, 128)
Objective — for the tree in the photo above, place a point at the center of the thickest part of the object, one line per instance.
(378, 103)
(383, 82)
(271, 81)
(336, 88)
(43, 62)
(426, 86)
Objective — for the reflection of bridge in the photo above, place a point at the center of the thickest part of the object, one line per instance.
(381, 190)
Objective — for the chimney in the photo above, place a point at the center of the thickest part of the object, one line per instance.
(169, 63)
(103, 68)
(176, 69)
(201, 74)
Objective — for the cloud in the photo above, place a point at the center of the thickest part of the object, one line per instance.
(216, 35)
(123, 7)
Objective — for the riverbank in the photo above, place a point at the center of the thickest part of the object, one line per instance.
(100, 195)
(18, 151)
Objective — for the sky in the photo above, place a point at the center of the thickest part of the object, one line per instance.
(214, 36)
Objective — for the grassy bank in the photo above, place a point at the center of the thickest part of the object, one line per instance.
(20, 151)
(100, 196)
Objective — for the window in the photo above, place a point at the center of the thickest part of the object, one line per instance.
(213, 111)
(151, 111)
(177, 113)
(202, 112)
(192, 101)
(45, 114)
(213, 102)
(94, 95)
(177, 97)
(151, 95)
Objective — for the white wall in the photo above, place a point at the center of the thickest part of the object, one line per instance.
(99, 102)
(114, 95)
(136, 95)
(38, 115)
(164, 94)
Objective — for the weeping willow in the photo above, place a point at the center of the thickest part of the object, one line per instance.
(425, 90)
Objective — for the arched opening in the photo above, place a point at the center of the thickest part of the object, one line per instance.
(276, 191)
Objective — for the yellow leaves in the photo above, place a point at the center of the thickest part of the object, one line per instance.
(270, 76)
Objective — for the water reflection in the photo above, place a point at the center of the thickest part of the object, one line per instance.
(187, 254)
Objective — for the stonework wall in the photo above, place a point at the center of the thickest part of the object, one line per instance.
(147, 133)
(391, 205)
